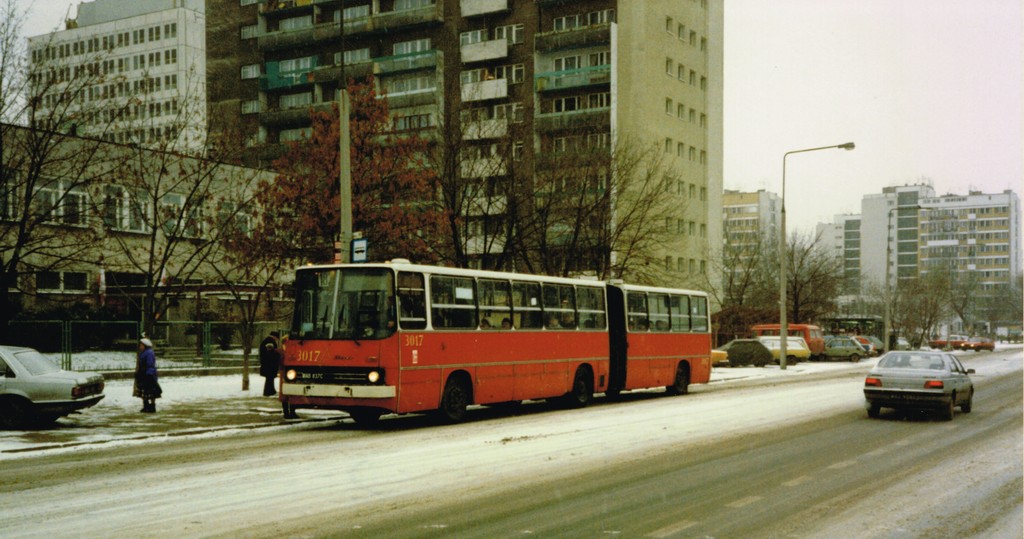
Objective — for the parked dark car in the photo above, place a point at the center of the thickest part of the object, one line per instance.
(35, 391)
(844, 347)
(919, 380)
(747, 352)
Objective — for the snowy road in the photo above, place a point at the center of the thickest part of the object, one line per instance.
(327, 479)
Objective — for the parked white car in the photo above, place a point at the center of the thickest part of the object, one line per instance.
(35, 391)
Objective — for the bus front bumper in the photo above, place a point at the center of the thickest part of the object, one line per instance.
(352, 392)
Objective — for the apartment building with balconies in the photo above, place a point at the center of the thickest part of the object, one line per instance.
(520, 81)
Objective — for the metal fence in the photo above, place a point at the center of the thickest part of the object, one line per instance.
(111, 346)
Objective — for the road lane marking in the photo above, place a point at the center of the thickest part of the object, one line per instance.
(743, 502)
(673, 529)
(843, 464)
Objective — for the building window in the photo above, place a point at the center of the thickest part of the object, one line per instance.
(250, 106)
(295, 23)
(668, 106)
(473, 36)
(515, 74)
(294, 101)
(512, 33)
(62, 281)
(408, 47)
(250, 71)
(567, 62)
(402, 5)
(603, 16)
(248, 31)
(669, 23)
(669, 66)
(567, 23)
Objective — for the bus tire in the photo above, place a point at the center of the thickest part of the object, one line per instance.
(456, 397)
(582, 392)
(682, 382)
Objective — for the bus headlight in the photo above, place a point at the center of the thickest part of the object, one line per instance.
(373, 377)
(290, 375)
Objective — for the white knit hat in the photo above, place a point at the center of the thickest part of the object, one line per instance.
(146, 342)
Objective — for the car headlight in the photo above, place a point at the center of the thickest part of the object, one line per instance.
(373, 377)
(290, 375)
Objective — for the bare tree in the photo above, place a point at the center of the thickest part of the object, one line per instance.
(45, 170)
(920, 304)
(814, 279)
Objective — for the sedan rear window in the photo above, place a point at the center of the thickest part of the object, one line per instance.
(913, 361)
(35, 363)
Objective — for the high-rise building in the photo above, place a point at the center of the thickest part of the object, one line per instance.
(750, 218)
(907, 232)
(126, 72)
(524, 80)
(976, 236)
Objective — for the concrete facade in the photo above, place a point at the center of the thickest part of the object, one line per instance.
(125, 72)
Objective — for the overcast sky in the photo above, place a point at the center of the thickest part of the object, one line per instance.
(929, 90)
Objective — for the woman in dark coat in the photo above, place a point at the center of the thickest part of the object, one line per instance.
(270, 362)
(146, 385)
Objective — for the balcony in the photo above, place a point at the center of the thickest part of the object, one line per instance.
(485, 129)
(473, 8)
(290, 39)
(274, 79)
(573, 78)
(402, 63)
(483, 167)
(393, 20)
(587, 119)
(584, 36)
(484, 50)
(414, 98)
(484, 90)
(294, 116)
(332, 73)
(287, 7)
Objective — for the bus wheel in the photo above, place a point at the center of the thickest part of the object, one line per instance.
(289, 411)
(454, 400)
(682, 383)
(366, 417)
(582, 392)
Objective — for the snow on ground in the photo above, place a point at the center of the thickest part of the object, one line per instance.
(115, 416)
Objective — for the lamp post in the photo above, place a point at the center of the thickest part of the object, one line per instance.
(888, 258)
(783, 325)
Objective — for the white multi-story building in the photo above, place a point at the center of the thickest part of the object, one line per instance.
(977, 234)
(126, 72)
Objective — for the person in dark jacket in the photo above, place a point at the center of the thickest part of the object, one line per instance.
(270, 361)
(147, 385)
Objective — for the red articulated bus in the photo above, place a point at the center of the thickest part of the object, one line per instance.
(396, 337)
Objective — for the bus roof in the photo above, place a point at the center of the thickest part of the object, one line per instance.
(404, 265)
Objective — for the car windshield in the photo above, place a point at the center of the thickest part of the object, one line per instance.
(913, 361)
(35, 363)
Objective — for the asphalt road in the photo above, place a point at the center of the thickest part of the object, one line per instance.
(904, 475)
(778, 459)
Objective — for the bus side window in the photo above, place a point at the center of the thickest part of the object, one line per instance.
(559, 306)
(680, 308)
(494, 303)
(412, 301)
(591, 307)
(699, 313)
(636, 309)
(658, 304)
(526, 313)
(453, 302)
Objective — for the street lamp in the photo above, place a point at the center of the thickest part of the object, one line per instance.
(888, 258)
(783, 326)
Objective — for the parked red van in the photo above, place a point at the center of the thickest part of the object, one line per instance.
(812, 334)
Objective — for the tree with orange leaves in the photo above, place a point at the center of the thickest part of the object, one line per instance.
(391, 188)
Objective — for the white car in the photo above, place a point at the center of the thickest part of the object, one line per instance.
(35, 391)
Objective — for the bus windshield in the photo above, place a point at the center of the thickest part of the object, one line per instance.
(344, 303)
